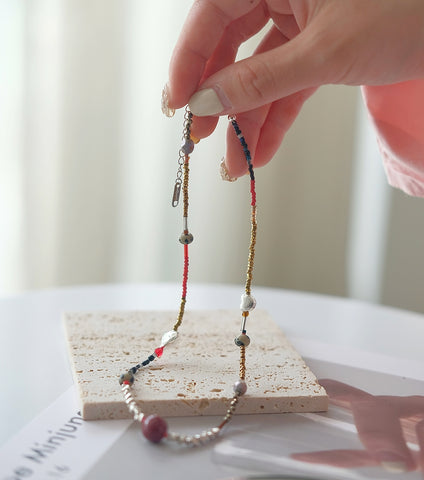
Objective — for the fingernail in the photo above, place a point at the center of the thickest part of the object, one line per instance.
(392, 462)
(209, 101)
(224, 172)
(394, 467)
(166, 110)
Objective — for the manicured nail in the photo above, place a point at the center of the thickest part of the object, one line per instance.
(166, 110)
(391, 462)
(224, 172)
(394, 467)
(209, 101)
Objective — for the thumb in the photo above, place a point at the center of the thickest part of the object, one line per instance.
(262, 79)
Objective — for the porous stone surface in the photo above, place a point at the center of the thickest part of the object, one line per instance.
(195, 374)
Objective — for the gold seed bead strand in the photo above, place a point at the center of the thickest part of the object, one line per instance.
(254, 227)
(248, 303)
(242, 362)
(180, 315)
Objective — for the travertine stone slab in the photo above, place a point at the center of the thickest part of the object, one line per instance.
(196, 373)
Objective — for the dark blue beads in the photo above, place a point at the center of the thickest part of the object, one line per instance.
(128, 377)
(245, 148)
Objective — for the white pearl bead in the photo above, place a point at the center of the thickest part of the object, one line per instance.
(248, 302)
(240, 387)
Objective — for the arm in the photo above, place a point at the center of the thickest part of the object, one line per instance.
(397, 112)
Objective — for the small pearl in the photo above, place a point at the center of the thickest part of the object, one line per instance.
(240, 387)
(248, 302)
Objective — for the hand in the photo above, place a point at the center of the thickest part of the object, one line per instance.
(310, 43)
(384, 423)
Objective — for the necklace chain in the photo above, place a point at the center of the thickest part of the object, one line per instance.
(154, 427)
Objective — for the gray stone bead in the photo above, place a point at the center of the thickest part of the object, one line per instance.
(188, 146)
(247, 303)
(129, 377)
(240, 387)
(186, 238)
(242, 340)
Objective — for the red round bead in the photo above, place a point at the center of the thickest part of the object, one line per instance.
(154, 428)
(159, 351)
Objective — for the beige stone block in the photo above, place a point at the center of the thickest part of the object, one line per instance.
(196, 373)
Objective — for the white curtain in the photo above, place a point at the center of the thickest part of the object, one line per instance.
(88, 162)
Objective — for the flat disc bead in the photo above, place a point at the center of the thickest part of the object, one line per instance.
(154, 428)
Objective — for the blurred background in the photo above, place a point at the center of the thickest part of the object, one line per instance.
(88, 162)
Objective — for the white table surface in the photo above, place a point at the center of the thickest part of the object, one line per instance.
(34, 363)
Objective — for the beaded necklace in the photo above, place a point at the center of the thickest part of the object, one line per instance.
(155, 427)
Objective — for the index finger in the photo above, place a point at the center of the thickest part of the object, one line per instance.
(342, 394)
(380, 431)
(201, 33)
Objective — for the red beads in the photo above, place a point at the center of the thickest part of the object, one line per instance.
(154, 428)
(158, 351)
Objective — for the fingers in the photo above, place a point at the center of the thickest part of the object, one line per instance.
(264, 129)
(380, 431)
(338, 458)
(342, 394)
(420, 437)
(405, 406)
(260, 79)
(236, 33)
(202, 127)
(201, 34)
(280, 117)
(225, 53)
(379, 427)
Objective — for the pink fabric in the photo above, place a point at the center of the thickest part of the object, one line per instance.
(397, 112)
